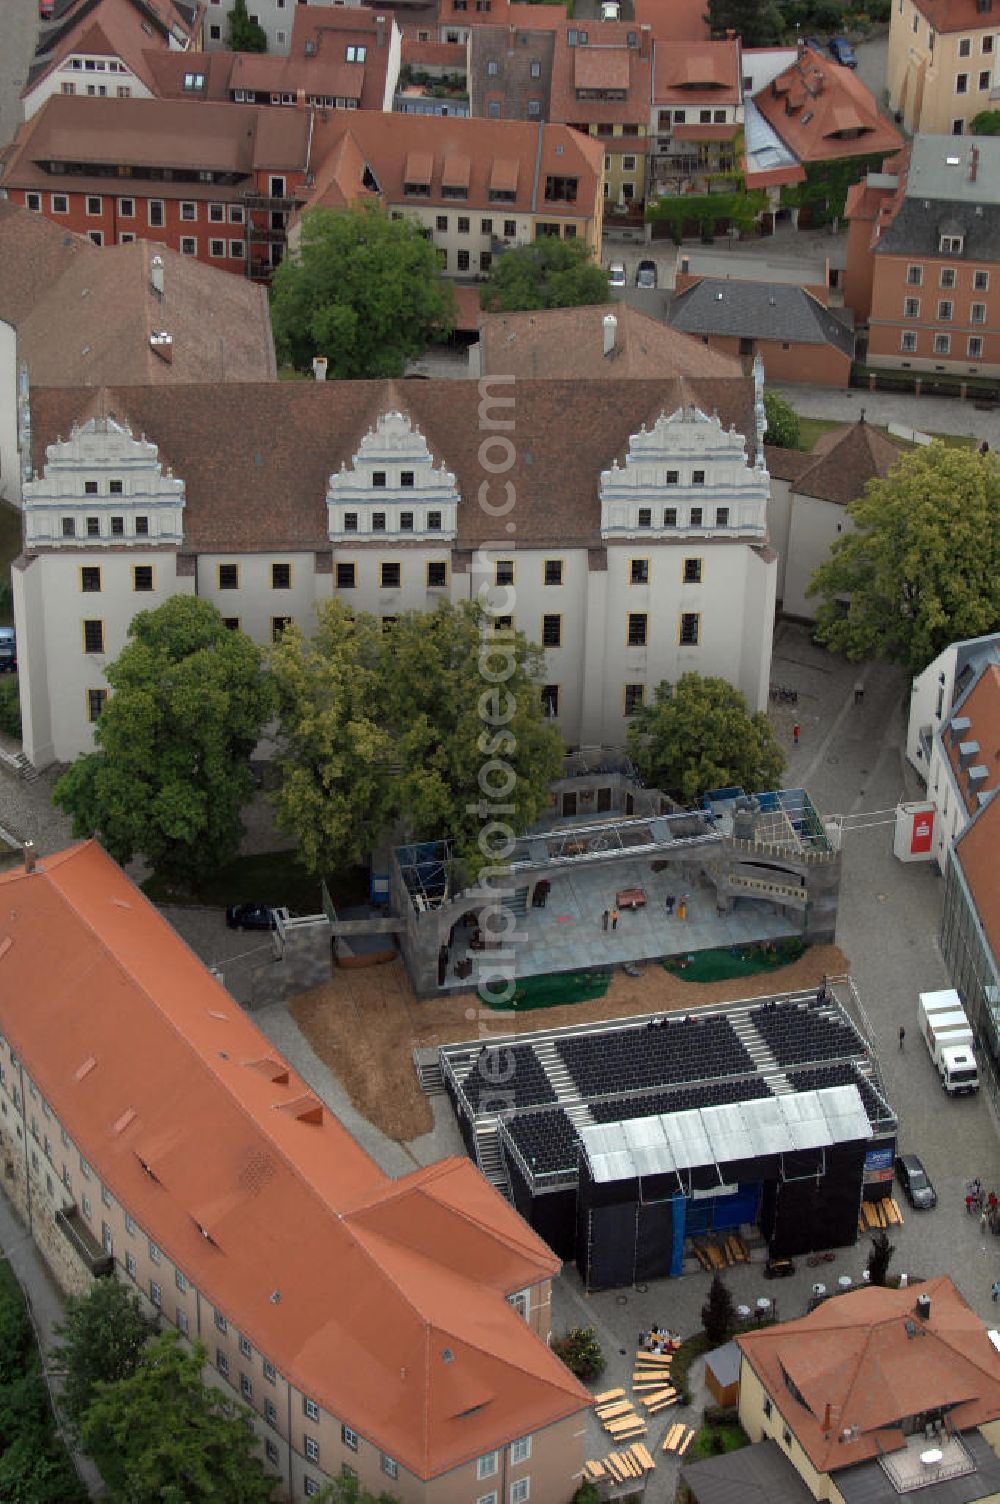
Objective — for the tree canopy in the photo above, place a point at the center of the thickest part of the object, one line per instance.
(163, 1436)
(783, 427)
(245, 34)
(347, 1490)
(188, 701)
(986, 123)
(698, 734)
(361, 289)
(549, 273)
(759, 23)
(383, 726)
(103, 1336)
(922, 568)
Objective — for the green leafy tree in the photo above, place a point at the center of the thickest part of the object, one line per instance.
(986, 123)
(580, 1350)
(162, 1436)
(245, 35)
(879, 1256)
(783, 427)
(378, 727)
(346, 1490)
(549, 273)
(103, 1337)
(698, 734)
(172, 773)
(361, 289)
(718, 1314)
(758, 22)
(922, 568)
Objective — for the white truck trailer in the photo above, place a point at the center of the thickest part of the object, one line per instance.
(948, 1037)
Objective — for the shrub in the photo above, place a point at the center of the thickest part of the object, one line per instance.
(718, 1314)
(10, 708)
(878, 1258)
(586, 1494)
(581, 1352)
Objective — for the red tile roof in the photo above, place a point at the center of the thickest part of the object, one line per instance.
(188, 1116)
(606, 63)
(824, 112)
(698, 72)
(674, 20)
(866, 1360)
(982, 707)
(563, 343)
(118, 28)
(956, 15)
(845, 460)
(976, 853)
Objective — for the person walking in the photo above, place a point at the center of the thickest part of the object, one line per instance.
(995, 1291)
(970, 1202)
(670, 905)
(614, 917)
(604, 919)
(859, 692)
(682, 907)
(983, 1219)
(902, 1036)
(796, 733)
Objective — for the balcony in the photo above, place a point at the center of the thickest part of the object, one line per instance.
(84, 1244)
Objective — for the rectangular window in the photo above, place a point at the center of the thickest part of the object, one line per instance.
(977, 313)
(975, 347)
(962, 83)
(389, 1466)
(692, 571)
(346, 576)
(509, 228)
(520, 1491)
(984, 79)
(94, 206)
(118, 527)
(229, 577)
(33, 201)
(222, 1362)
(182, 1320)
(552, 571)
(911, 308)
(669, 516)
(271, 1412)
(486, 1466)
(638, 572)
(462, 261)
(645, 517)
(349, 1438)
(312, 1449)
(504, 572)
(281, 577)
(189, 245)
(697, 477)
(947, 278)
(246, 1388)
(60, 203)
(965, 46)
(637, 629)
(550, 701)
(690, 628)
(406, 522)
(155, 214)
(271, 1452)
(142, 527)
(189, 211)
(237, 250)
(908, 341)
(180, 1280)
(635, 695)
(378, 480)
(390, 576)
(93, 636)
(552, 631)
(155, 1294)
(217, 249)
(437, 574)
(95, 703)
(129, 1225)
(142, 577)
(231, 623)
(406, 479)
(980, 281)
(310, 1409)
(378, 522)
(269, 1371)
(944, 310)
(90, 579)
(278, 625)
(915, 276)
(130, 1265)
(221, 1324)
(942, 344)
(69, 527)
(350, 522)
(245, 1347)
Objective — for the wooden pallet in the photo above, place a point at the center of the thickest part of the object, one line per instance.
(872, 1214)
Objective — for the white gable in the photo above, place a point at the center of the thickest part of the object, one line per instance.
(392, 487)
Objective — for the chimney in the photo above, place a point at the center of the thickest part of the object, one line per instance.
(28, 851)
(320, 364)
(610, 332)
(827, 1418)
(380, 31)
(973, 163)
(645, 39)
(156, 275)
(162, 344)
(300, 99)
(923, 1307)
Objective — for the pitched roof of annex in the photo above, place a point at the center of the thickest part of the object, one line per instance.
(556, 343)
(256, 459)
(824, 112)
(385, 1300)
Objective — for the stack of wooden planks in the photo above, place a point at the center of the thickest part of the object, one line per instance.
(619, 1467)
(721, 1252)
(618, 1417)
(884, 1213)
(678, 1439)
(651, 1381)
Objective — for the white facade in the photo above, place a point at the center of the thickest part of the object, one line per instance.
(684, 581)
(275, 16)
(932, 695)
(762, 64)
(10, 471)
(88, 76)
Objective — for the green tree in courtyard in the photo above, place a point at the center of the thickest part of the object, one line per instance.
(783, 428)
(390, 726)
(922, 567)
(245, 35)
(549, 273)
(718, 1314)
(879, 1256)
(699, 734)
(758, 22)
(103, 1337)
(188, 701)
(163, 1436)
(349, 1491)
(986, 123)
(361, 289)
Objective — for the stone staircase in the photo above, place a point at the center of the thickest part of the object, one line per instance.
(489, 1158)
(562, 1083)
(760, 1053)
(18, 764)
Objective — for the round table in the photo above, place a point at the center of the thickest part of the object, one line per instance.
(819, 1289)
(763, 1305)
(845, 1282)
(931, 1457)
(743, 1312)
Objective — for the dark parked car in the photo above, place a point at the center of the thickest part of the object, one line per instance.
(8, 651)
(842, 52)
(814, 43)
(779, 1269)
(250, 916)
(645, 275)
(915, 1182)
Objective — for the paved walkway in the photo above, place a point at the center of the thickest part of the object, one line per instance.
(46, 1305)
(931, 414)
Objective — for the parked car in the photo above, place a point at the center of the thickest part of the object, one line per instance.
(779, 1269)
(813, 42)
(915, 1182)
(842, 52)
(8, 651)
(251, 916)
(616, 274)
(645, 275)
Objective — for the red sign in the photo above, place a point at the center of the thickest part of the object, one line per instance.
(923, 832)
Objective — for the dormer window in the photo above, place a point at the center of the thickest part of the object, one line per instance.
(951, 245)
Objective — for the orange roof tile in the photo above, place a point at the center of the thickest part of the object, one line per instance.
(119, 29)
(866, 1360)
(982, 707)
(674, 20)
(833, 114)
(600, 68)
(976, 853)
(698, 71)
(170, 1093)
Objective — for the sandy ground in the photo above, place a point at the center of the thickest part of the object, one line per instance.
(365, 1024)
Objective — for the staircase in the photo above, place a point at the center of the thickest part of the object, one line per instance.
(562, 1083)
(427, 1064)
(760, 1053)
(517, 902)
(19, 765)
(490, 1159)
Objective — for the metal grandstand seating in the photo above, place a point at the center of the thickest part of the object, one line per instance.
(799, 1033)
(655, 1054)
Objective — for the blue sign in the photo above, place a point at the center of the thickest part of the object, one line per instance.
(879, 1159)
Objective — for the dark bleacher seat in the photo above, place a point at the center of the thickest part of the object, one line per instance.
(800, 1033)
(682, 1099)
(547, 1140)
(674, 1051)
(506, 1076)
